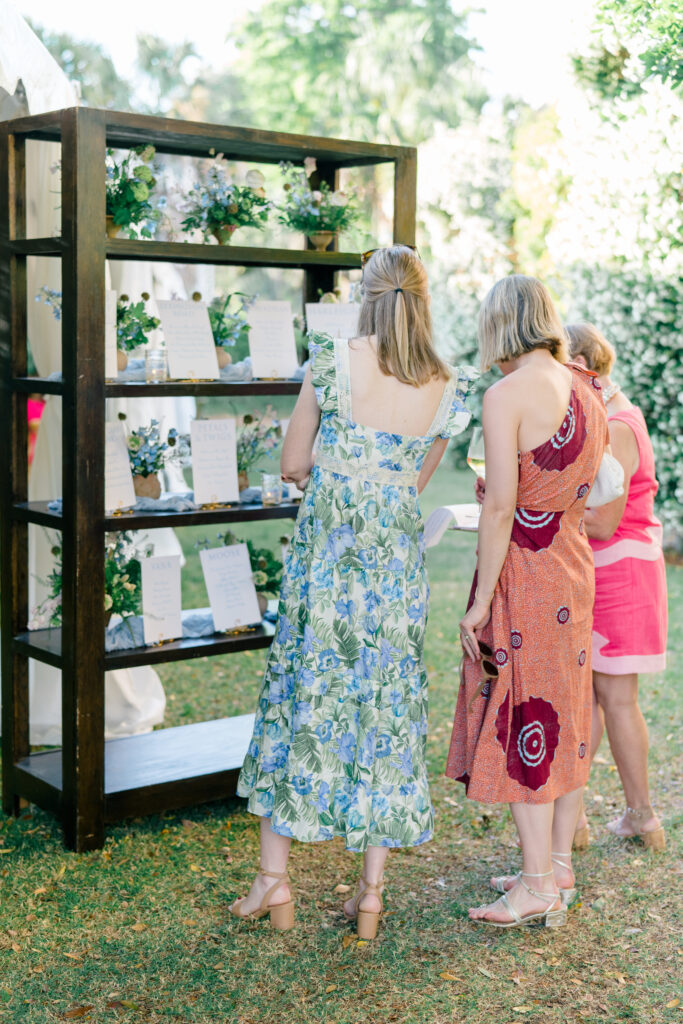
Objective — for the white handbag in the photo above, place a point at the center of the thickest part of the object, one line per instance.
(608, 484)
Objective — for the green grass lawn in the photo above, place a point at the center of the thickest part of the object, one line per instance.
(139, 931)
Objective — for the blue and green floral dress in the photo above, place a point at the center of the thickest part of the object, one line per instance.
(339, 739)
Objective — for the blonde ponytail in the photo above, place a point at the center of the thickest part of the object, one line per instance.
(395, 308)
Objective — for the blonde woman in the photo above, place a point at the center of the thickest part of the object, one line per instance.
(522, 725)
(339, 741)
(630, 615)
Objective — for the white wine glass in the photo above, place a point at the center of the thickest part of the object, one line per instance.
(475, 453)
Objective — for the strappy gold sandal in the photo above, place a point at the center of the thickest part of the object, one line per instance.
(655, 839)
(281, 915)
(367, 921)
(568, 896)
(548, 918)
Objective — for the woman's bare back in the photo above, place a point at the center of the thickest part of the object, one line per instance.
(382, 402)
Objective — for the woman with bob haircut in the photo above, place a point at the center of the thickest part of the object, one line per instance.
(522, 723)
(339, 740)
(630, 615)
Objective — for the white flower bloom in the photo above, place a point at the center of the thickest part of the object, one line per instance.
(310, 165)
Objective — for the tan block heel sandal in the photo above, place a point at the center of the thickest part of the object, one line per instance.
(367, 921)
(281, 915)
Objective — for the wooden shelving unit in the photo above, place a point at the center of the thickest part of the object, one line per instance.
(89, 782)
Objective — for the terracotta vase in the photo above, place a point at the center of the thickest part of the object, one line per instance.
(242, 479)
(321, 239)
(262, 603)
(147, 486)
(224, 233)
(224, 358)
(121, 359)
(112, 229)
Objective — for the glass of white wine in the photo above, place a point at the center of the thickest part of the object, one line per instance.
(475, 453)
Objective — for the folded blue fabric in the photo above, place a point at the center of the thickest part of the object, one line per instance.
(128, 632)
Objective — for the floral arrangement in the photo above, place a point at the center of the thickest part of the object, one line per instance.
(312, 210)
(122, 583)
(133, 323)
(147, 452)
(52, 299)
(256, 437)
(217, 206)
(230, 325)
(129, 187)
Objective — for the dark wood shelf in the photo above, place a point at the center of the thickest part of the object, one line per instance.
(217, 388)
(192, 252)
(37, 385)
(194, 138)
(38, 512)
(141, 773)
(46, 645)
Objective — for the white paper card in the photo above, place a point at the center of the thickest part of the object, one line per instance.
(338, 319)
(189, 341)
(271, 340)
(293, 491)
(161, 603)
(229, 583)
(451, 517)
(110, 365)
(118, 479)
(214, 461)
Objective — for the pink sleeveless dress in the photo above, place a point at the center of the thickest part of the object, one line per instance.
(630, 618)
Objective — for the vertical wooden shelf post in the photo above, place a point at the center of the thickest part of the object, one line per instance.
(13, 460)
(83, 288)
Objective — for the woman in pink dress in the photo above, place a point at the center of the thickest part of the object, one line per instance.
(630, 618)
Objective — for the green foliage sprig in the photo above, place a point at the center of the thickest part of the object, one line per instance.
(230, 325)
(215, 202)
(133, 323)
(312, 210)
(257, 436)
(129, 187)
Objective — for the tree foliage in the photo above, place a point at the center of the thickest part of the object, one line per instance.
(89, 65)
(386, 70)
(641, 40)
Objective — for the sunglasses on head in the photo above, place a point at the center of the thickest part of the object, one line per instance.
(365, 256)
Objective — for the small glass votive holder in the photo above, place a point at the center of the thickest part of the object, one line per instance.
(271, 489)
(156, 365)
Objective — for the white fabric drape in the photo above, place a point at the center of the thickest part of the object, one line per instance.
(134, 699)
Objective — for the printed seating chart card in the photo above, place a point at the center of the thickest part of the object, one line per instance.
(111, 368)
(189, 341)
(229, 583)
(272, 347)
(118, 480)
(338, 319)
(161, 602)
(214, 461)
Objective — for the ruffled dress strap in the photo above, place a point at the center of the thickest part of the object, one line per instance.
(323, 370)
(453, 416)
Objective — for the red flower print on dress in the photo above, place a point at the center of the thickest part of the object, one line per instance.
(501, 656)
(515, 639)
(531, 741)
(563, 615)
(582, 750)
(596, 384)
(582, 491)
(582, 657)
(534, 530)
(567, 443)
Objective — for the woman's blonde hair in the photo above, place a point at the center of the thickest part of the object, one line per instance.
(517, 316)
(587, 341)
(395, 308)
